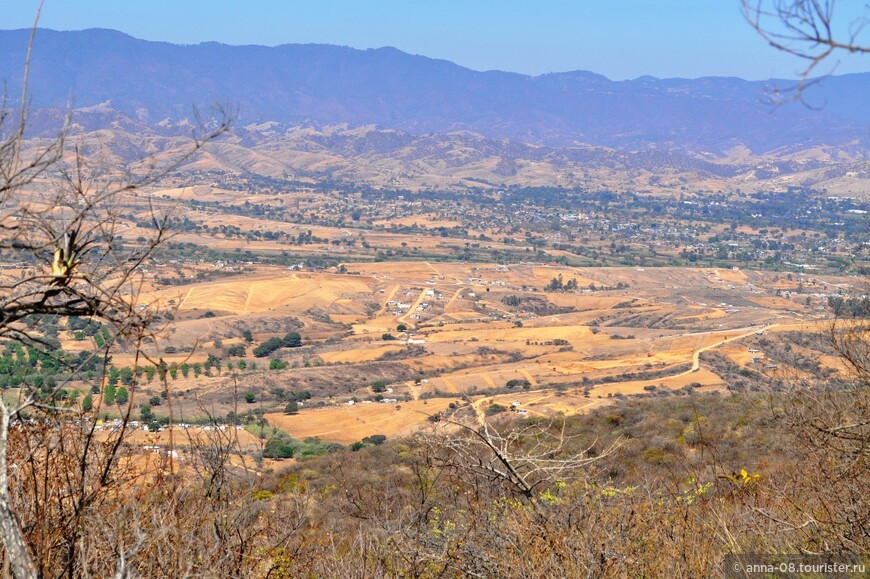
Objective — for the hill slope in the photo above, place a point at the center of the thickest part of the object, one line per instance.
(321, 84)
(390, 118)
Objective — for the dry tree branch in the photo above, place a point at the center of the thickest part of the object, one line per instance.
(523, 457)
(73, 264)
(807, 30)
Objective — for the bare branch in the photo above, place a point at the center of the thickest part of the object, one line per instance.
(807, 30)
(523, 457)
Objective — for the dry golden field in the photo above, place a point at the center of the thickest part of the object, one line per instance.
(435, 333)
(346, 424)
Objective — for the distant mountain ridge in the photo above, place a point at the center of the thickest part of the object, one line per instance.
(119, 79)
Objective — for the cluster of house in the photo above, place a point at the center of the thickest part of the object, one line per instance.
(116, 425)
(481, 281)
(382, 401)
(160, 450)
(399, 308)
(760, 359)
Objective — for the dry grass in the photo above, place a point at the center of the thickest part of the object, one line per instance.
(472, 343)
(346, 424)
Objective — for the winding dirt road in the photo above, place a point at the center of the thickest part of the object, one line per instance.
(477, 405)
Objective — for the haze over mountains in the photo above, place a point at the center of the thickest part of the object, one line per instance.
(386, 116)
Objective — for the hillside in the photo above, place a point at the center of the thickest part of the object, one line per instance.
(386, 117)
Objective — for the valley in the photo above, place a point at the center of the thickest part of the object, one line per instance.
(376, 314)
(406, 308)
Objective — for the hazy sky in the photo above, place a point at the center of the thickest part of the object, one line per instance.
(617, 38)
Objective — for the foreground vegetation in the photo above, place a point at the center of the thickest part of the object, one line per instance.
(655, 487)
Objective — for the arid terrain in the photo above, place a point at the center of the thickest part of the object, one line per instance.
(380, 314)
(407, 308)
(387, 346)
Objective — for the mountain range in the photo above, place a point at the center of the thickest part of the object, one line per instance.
(383, 114)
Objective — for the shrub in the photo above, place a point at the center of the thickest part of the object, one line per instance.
(375, 439)
(268, 347)
(614, 419)
(380, 386)
(656, 456)
(276, 364)
(236, 350)
(277, 448)
(517, 382)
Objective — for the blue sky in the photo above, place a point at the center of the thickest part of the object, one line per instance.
(617, 38)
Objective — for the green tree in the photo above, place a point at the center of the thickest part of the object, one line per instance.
(109, 394)
(268, 347)
(555, 284)
(122, 396)
(126, 375)
(236, 350)
(278, 448)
